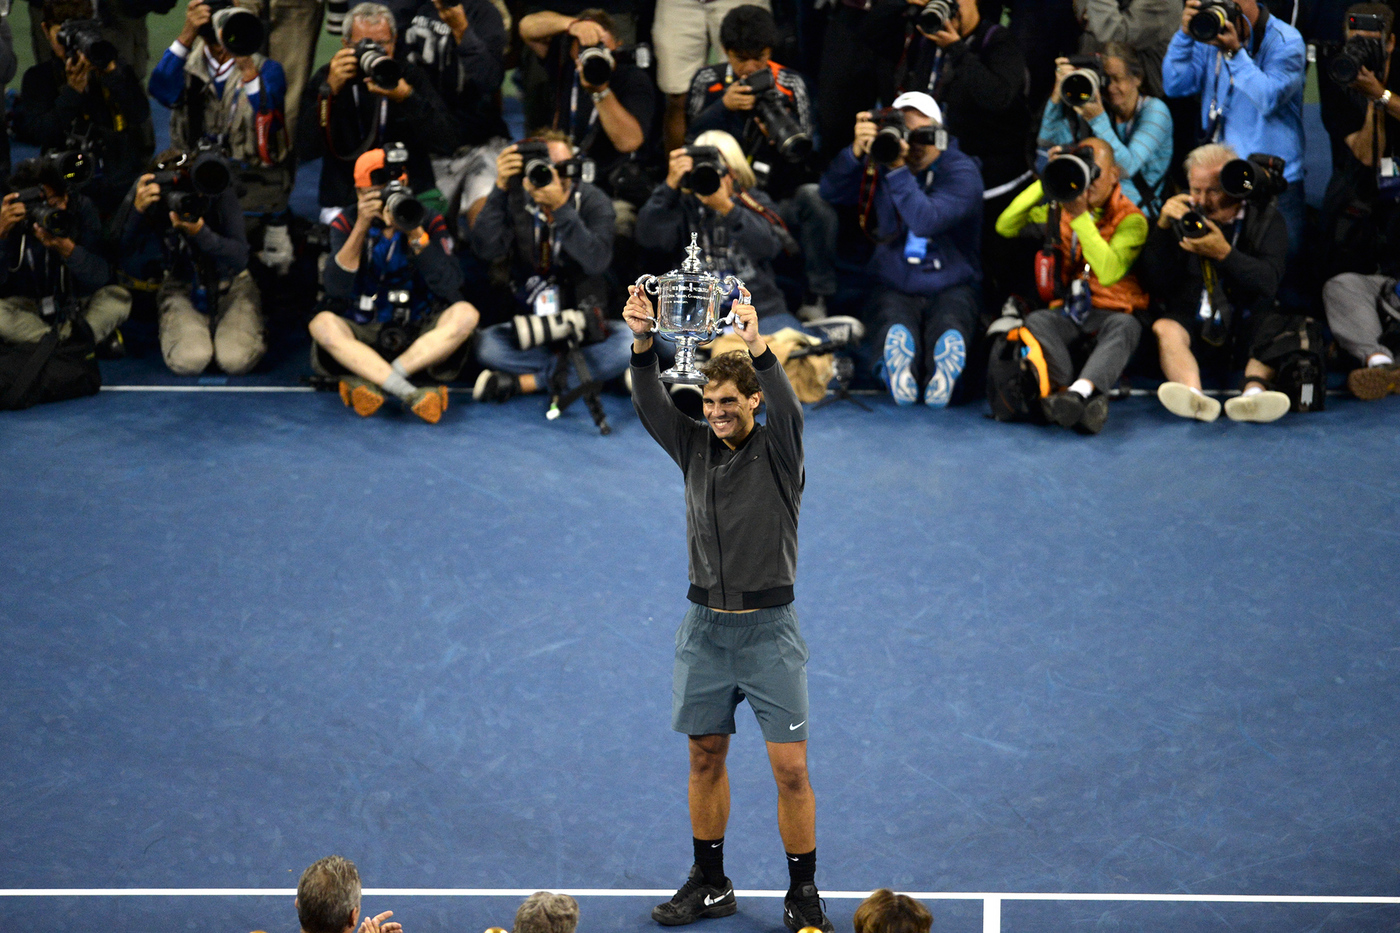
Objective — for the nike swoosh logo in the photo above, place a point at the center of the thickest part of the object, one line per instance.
(791, 859)
(798, 726)
(716, 845)
(711, 901)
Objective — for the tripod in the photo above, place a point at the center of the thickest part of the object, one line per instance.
(561, 396)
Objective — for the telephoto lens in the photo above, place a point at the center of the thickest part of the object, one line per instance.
(210, 174)
(1190, 226)
(1256, 178)
(377, 65)
(1068, 175)
(706, 170)
(1082, 85)
(238, 30)
(538, 166)
(596, 64)
(782, 130)
(1358, 52)
(1212, 18)
(75, 167)
(55, 220)
(406, 211)
(84, 36)
(934, 16)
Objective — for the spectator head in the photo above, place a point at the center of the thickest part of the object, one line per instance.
(543, 912)
(748, 35)
(561, 147)
(733, 154)
(1103, 187)
(919, 110)
(732, 395)
(1203, 165)
(328, 896)
(58, 12)
(40, 173)
(1124, 72)
(371, 21)
(887, 912)
(1381, 11)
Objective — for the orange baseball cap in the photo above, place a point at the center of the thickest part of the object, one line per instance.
(366, 165)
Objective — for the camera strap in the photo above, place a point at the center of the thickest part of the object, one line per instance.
(323, 111)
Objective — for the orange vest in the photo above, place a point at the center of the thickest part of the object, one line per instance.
(1125, 294)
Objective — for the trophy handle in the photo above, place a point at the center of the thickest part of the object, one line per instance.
(649, 284)
(729, 283)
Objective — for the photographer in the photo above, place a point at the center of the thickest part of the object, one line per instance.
(607, 116)
(736, 224)
(349, 112)
(734, 98)
(71, 94)
(53, 270)
(1248, 68)
(394, 293)
(1095, 234)
(234, 99)
(1214, 264)
(1108, 103)
(927, 207)
(209, 308)
(555, 232)
(461, 46)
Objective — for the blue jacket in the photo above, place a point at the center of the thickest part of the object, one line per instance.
(944, 204)
(1259, 90)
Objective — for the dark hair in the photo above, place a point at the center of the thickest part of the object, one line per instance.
(31, 172)
(735, 366)
(601, 17)
(328, 895)
(1386, 14)
(888, 912)
(747, 30)
(58, 12)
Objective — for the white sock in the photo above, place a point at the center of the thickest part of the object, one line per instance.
(1379, 359)
(1253, 389)
(1083, 386)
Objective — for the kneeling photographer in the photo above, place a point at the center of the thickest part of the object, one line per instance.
(53, 270)
(926, 200)
(1092, 235)
(1214, 264)
(184, 219)
(393, 295)
(554, 231)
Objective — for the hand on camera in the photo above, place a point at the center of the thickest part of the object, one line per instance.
(197, 14)
(381, 924)
(12, 214)
(865, 134)
(946, 36)
(1211, 246)
(78, 72)
(508, 164)
(589, 33)
(187, 227)
(552, 196)
(738, 96)
(636, 314)
(147, 193)
(398, 93)
(1062, 68)
(345, 65)
(1175, 208)
(722, 200)
(61, 245)
(680, 163)
(369, 206)
(1368, 84)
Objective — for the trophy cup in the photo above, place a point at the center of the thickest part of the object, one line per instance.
(686, 311)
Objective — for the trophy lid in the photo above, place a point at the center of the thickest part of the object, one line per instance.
(692, 262)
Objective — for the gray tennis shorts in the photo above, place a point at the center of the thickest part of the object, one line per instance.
(725, 657)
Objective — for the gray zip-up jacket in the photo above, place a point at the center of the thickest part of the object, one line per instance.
(740, 505)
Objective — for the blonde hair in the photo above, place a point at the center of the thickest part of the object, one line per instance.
(733, 154)
(544, 912)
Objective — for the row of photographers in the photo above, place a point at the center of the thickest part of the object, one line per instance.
(557, 237)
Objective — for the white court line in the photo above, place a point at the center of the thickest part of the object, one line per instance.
(208, 389)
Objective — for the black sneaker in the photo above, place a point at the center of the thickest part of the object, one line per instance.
(495, 387)
(806, 910)
(1064, 408)
(840, 330)
(1095, 414)
(697, 900)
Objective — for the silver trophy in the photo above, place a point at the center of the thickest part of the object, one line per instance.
(687, 309)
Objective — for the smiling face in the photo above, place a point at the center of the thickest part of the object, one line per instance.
(1121, 91)
(729, 411)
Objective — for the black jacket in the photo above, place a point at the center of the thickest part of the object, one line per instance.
(466, 74)
(421, 122)
(28, 269)
(741, 505)
(222, 241)
(582, 235)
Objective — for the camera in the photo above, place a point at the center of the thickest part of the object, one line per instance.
(1068, 175)
(376, 64)
(782, 130)
(1084, 83)
(933, 16)
(885, 148)
(405, 210)
(38, 210)
(597, 62)
(539, 168)
(561, 328)
(238, 30)
(75, 167)
(1359, 51)
(1189, 226)
(1257, 178)
(707, 169)
(191, 182)
(1212, 18)
(84, 37)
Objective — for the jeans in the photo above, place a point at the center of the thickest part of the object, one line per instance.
(606, 359)
(927, 317)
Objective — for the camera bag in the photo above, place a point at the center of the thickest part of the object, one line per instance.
(1017, 375)
(51, 370)
(1296, 354)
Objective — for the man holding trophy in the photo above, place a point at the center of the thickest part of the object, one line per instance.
(740, 637)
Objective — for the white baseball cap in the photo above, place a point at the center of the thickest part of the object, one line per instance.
(920, 102)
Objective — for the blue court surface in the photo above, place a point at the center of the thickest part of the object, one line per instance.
(245, 630)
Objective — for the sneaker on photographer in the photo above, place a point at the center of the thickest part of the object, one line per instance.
(492, 386)
(840, 329)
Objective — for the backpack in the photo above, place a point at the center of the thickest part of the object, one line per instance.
(50, 370)
(1017, 376)
(1296, 355)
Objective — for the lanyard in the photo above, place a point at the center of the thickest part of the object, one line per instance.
(383, 114)
(1216, 113)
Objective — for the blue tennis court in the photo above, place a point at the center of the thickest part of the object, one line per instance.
(243, 630)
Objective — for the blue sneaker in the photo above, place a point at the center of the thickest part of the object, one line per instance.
(949, 359)
(899, 365)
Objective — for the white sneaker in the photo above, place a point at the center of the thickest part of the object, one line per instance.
(814, 310)
(1261, 407)
(841, 329)
(277, 252)
(899, 365)
(1184, 402)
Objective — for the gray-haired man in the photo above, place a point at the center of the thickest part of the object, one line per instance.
(328, 900)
